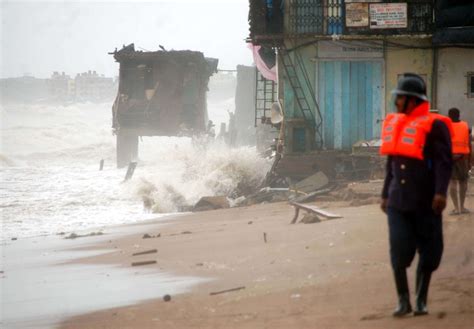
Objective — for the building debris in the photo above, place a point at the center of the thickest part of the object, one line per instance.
(311, 209)
(211, 203)
(310, 218)
(130, 170)
(312, 183)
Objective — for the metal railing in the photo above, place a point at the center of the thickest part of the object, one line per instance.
(328, 17)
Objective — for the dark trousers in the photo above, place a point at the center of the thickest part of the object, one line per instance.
(412, 231)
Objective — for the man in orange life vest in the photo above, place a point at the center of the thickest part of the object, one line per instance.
(461, 141)
(419, 164)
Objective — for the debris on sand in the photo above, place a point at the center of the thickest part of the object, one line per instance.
(75, 236)
(310, 218)
(227, 290)
(312, 183)
(146, 252)
(211, 203)
(147, 262)
(148, 236)
(167, 298)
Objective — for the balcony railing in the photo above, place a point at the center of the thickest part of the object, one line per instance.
(328, 17)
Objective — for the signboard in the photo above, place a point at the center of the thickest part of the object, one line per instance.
(388, 15)
(357, 14)
(350, 49)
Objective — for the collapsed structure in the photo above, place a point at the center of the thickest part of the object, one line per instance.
(161, 93)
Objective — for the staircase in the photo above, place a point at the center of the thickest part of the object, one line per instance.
(265, 96)
(305, 97)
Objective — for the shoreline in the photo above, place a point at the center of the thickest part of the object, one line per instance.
(334, 273)
(34, 271)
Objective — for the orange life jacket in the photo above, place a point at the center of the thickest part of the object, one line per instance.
(460, 139)
(405, 135)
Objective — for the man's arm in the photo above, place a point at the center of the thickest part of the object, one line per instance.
(388, 177)
(442, 156)
(386, 184)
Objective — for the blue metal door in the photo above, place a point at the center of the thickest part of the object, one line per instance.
(350, 98)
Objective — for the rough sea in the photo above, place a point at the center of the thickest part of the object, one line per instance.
(51, 183)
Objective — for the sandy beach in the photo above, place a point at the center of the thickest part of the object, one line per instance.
(332, 274)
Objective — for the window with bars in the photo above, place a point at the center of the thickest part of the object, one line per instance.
(327, 17)
(470, 85)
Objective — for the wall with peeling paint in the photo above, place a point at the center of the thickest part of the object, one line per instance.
(453, 65)
(399, 60)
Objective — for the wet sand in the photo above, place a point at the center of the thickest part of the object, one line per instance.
(332, 274)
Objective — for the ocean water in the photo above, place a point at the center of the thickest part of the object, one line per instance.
(51, 183)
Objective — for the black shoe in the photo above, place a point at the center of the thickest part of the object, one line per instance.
(404, 306)
(422, 285)
(401, 282)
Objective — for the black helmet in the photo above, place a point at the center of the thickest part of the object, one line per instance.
(411, 85)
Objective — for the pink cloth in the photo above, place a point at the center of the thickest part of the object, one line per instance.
(268, 73)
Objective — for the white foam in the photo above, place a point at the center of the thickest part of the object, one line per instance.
(51, 183)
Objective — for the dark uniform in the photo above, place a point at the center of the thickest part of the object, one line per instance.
(409, 189)
(410, 186)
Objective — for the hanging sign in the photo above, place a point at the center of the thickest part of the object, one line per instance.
(357, 14)
(388, 15)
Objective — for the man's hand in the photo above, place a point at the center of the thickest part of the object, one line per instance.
(439, 203)
(383, 205)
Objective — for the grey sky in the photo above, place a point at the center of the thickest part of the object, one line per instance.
(39, 37)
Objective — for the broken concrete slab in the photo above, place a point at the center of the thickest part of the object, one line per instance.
(312, 183)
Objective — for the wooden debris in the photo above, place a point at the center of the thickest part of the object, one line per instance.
(101, 166)
(147, 262)
(265, 237)
(146, 252)
(130, 171)
(311, 209)
(227, 290)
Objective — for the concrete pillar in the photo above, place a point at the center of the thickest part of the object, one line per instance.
(127, 148)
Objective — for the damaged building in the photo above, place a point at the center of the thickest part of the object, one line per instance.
(161, 93)
(337, 62)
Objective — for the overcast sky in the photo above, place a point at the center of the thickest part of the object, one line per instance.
(39, 37)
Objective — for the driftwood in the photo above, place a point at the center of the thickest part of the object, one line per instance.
(147, 262)
(146, 252)
(312, 209)
(228, 290)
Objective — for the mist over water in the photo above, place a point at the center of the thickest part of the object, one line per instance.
(51, 181)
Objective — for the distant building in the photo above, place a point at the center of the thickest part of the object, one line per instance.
(23, 89)
(90, 86)
(59, 86)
